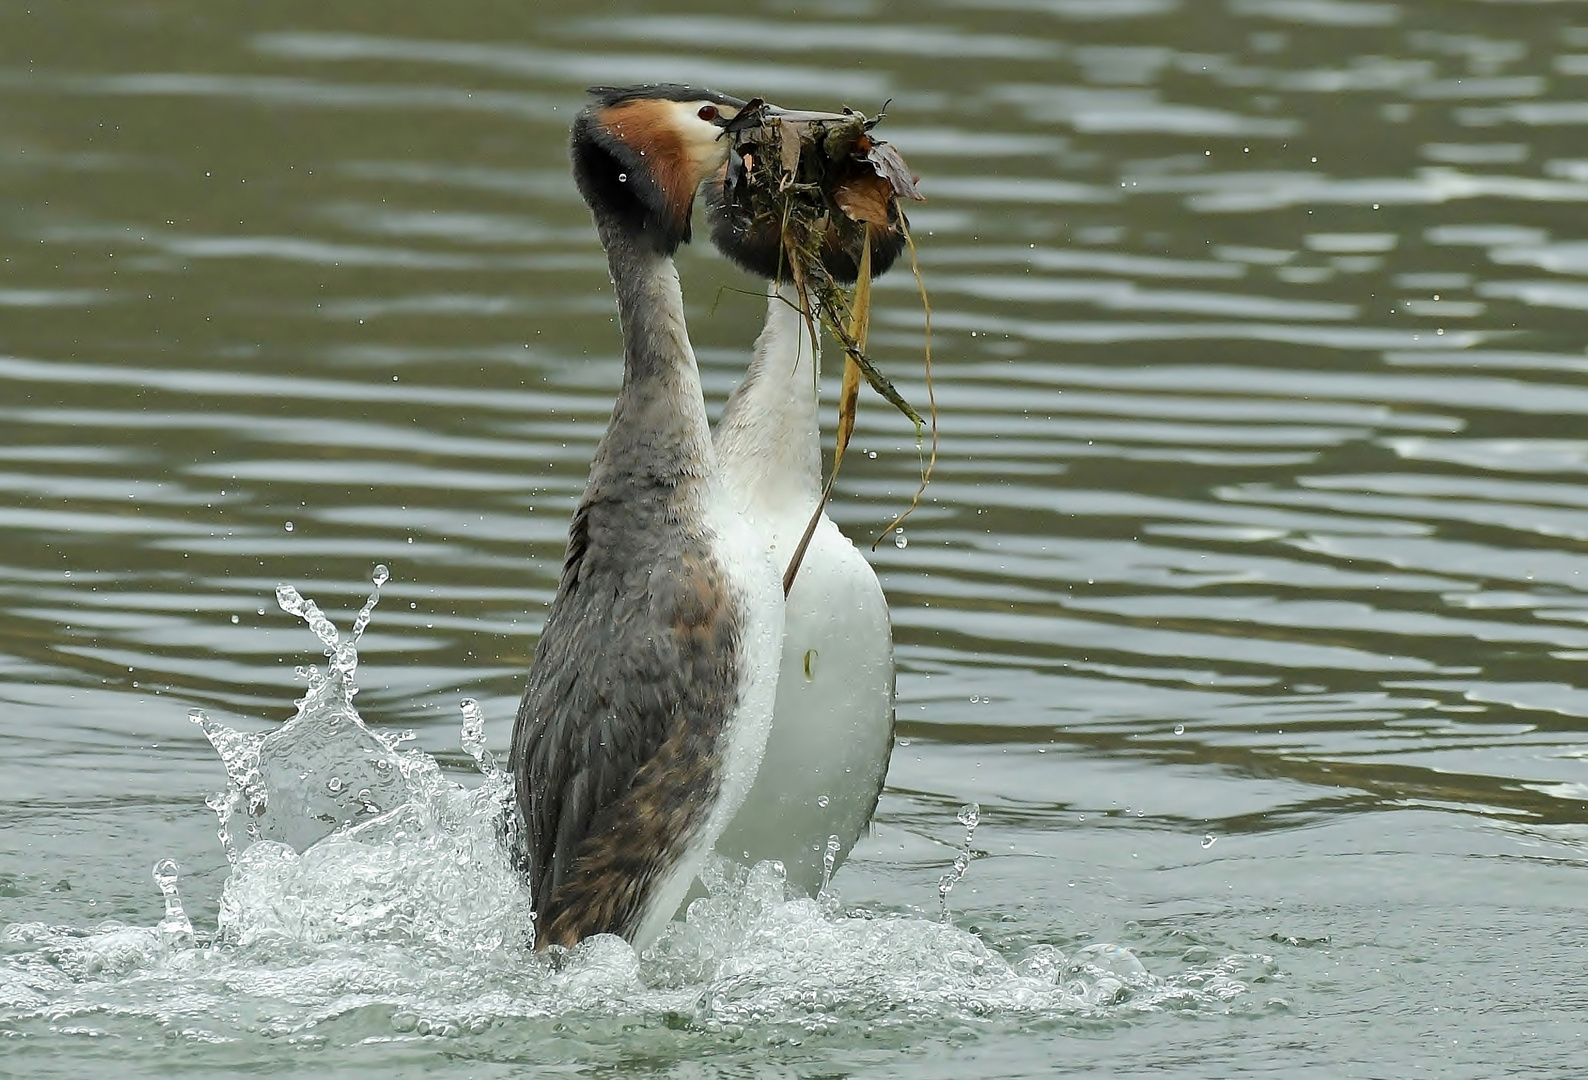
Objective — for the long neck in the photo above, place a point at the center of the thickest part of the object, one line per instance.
(658, 436)
(769, 440)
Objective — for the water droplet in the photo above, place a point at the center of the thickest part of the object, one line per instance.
(899, 539)
(1207, 841)
(361, 621)
(822, 801)
(334, 785)
(1179, 729)
(289, 526)
(236, 619)
(623, 177)
(829, 862)
(872, 454)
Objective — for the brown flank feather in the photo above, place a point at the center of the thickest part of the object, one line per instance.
(639, 838)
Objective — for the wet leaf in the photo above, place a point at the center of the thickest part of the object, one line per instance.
(890, 165)
(790, 145)
(865, 198)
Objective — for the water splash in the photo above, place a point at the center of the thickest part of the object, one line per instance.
(825, 895)
(175, 927)
(347, 833)
(969, 816)
(323, 769)
(473, 740)
(756, 954)
(362, 893)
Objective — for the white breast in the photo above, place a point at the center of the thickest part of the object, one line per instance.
(832, 727)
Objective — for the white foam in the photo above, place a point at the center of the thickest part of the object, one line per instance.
(410, 922)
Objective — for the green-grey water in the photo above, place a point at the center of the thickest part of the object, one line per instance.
(1247, 601)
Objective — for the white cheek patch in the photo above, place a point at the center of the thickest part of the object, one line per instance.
(702, 139)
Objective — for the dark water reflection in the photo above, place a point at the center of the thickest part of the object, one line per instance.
(1261, 360)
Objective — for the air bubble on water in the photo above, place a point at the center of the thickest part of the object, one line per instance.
(1179, 729)
(1208, 841)
(289, 526)
(236, 619)
(899, 539)
(822, 801)
(1106, 974)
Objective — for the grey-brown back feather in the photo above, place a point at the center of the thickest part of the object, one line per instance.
(615, 748)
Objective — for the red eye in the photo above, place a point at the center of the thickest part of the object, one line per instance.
(707, 112)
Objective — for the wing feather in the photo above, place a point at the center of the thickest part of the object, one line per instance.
(615, 744)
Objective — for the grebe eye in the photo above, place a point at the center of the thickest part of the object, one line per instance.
(707, 113)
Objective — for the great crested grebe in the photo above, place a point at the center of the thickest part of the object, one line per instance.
(832, 727)
(651, 691)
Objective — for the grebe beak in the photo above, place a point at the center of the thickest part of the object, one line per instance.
(757, 111)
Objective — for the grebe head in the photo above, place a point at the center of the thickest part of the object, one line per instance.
(641, 152)
(757, 245)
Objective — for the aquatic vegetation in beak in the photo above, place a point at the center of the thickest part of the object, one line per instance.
(815, 198)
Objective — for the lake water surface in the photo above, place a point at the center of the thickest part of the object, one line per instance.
(1248, 601)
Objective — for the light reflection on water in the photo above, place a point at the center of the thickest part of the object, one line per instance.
(1260, 360)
